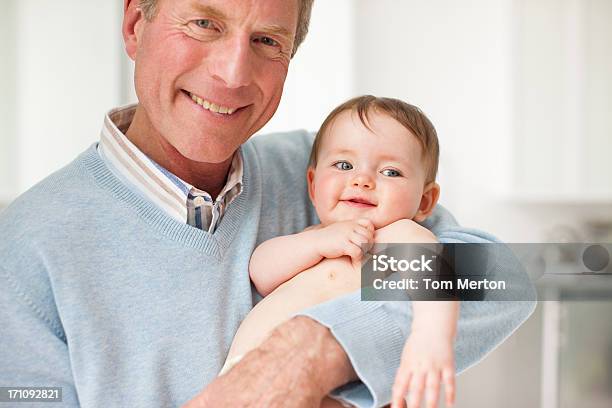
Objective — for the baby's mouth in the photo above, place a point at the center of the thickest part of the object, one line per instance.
(358, 202)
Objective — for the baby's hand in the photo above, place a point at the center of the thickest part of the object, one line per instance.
(426, 362)
(346, 238)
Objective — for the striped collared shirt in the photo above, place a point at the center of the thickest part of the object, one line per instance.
(176, 197)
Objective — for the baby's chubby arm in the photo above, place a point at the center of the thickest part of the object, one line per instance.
(427, 358)
(404, 231)
(280, 259)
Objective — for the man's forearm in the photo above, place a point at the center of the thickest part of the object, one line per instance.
(316, 352)
(295, 367)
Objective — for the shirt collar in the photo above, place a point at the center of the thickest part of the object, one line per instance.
(154, 182)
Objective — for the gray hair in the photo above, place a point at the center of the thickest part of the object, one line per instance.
(148, 8)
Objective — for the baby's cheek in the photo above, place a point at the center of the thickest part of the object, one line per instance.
(404, 205)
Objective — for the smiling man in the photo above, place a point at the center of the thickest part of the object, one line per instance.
(208, 76)
(125, 274)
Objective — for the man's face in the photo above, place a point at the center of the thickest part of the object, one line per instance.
(376, 174)
(210, 73)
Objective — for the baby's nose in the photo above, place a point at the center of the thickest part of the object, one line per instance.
(363, 181)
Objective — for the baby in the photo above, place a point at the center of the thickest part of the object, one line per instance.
(371, 176)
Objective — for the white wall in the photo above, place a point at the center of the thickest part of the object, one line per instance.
(565, 96)
(8, 91)
(598, 87)
(321, 74)
(68, 74)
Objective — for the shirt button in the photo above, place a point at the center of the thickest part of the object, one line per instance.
(199, 200)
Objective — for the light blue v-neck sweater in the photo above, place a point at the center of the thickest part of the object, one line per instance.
(105, 295)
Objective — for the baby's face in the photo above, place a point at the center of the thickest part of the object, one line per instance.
(376, 174)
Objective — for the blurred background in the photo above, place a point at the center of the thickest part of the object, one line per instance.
(520, 92)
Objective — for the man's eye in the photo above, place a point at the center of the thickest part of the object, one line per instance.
(342, 165)
(204, 23)
(267, 41)
(391, 173)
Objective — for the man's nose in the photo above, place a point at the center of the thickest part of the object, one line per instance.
(233, 62)
(363, 180)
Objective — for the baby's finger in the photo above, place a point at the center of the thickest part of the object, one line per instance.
(417, 386)
(361, 241)
(363, 232)
(432, 389)
(353, 250)
(448, 377)
(366, 223)
(366, 232)
(400, 388)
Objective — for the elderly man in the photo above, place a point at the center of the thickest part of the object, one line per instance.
(124, 275)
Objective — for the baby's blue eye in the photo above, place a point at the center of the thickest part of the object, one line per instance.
(391, 173)
(342, 165)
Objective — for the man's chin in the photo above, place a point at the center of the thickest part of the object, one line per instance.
(206, 154)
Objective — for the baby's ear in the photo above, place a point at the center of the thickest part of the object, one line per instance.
(310, 173)
(429, 199)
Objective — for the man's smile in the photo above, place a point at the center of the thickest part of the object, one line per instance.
(212, 106)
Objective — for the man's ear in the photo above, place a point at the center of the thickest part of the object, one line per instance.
(310, 178)
(132, 24)
(429, 199)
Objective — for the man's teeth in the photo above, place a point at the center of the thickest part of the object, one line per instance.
(211, 106)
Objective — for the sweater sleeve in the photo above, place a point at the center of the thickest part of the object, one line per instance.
(373, 333)
(33, 348)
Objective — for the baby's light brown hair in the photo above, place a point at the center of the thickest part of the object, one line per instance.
(409, 116)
